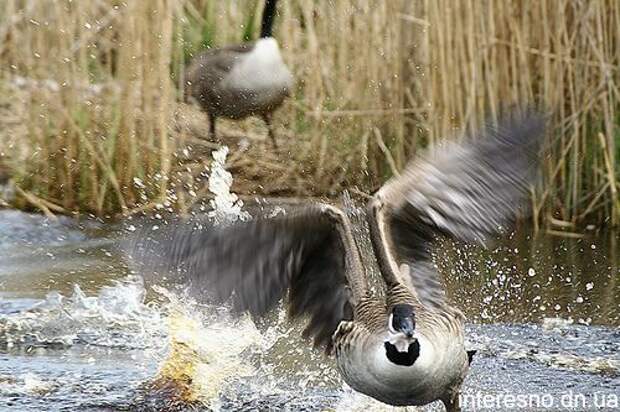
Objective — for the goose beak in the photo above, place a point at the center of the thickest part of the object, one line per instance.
(408, 328)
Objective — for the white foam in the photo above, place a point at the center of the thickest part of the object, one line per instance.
(116, 317)
(226, 206)
(204, 354)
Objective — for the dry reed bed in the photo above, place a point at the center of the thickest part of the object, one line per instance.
(96, 86)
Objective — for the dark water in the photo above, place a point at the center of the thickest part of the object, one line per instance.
(79, 332)
(527, 278)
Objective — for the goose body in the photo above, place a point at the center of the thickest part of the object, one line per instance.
(241, 80)
(438, 370)
(364, 279)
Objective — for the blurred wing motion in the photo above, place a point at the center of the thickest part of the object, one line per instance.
(470, 190)
(256, 262)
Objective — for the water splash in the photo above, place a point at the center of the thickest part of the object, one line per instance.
(208, 348)
(217, 360)
(116, 317)
(205, 347)
(200, 356)
(201, 350)
(226, 206)
(529, 278)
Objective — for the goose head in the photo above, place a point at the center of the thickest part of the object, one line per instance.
(401, 343)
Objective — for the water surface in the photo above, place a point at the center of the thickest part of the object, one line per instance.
(78, 331)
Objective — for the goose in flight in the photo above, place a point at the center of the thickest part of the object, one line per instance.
(241, 80)
(364, 279)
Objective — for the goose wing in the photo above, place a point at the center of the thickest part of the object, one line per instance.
(255, 263)
(470, 191)
(208, 69)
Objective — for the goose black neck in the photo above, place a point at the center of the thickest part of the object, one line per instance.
(268, 14)
(374, 219)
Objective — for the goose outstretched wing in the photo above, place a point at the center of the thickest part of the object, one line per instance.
(304, 252)
(469, 190)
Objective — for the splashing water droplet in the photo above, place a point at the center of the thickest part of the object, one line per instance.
(227, 207)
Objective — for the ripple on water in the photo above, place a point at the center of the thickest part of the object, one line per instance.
(19, 229)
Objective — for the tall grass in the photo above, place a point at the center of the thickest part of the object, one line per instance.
(96, 87)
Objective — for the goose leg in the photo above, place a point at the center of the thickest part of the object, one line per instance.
(451, 402)
(212, 135)
(272, 136)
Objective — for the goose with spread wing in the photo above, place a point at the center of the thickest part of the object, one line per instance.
(364, 279)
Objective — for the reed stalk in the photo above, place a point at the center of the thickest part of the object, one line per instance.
(92, 120)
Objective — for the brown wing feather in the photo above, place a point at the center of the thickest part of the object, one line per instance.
(207, 70)
(470, 191)
(256, 262)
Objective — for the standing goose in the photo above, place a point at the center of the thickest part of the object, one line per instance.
(241, 80)
(381, 308)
